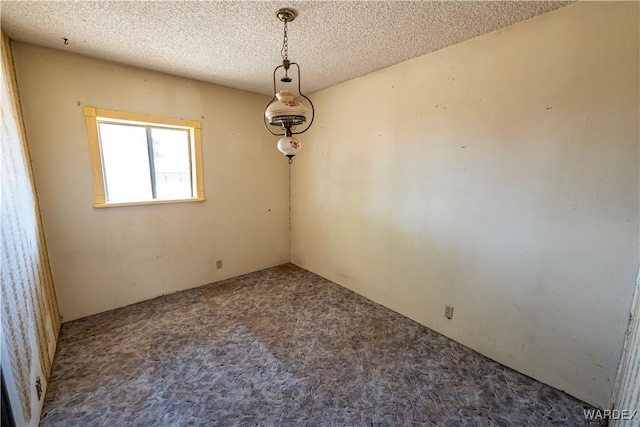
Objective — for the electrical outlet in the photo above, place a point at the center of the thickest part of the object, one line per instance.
(448, 312)
(38, 387)
(219, 264)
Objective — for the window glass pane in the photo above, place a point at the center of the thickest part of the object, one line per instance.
(125, 158)
(172, 163)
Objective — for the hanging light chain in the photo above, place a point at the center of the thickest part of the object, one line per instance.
(285, 53)
(285, 44)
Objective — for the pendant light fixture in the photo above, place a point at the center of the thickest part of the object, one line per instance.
(285, 110)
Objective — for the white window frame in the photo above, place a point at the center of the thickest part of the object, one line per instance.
(94, 116)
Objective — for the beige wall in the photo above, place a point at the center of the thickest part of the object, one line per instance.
(500, 176)
(107, 258)
(29, 314)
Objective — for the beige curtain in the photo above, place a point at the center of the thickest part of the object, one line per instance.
(29, 304)
(627, 394)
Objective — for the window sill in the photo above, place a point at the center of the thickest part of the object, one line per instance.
(148, 202)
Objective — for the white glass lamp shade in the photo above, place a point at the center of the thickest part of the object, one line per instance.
(286, 111)
(289, 145)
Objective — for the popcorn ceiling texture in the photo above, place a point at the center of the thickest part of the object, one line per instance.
(282, 347)
(237, 43)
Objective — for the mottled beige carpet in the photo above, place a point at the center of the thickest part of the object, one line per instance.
(282, 347)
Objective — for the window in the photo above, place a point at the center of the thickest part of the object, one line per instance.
(141, 159)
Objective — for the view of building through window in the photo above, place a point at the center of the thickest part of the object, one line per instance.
(145, 163)
(172, 163)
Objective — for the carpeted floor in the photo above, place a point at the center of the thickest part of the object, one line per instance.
(282, 347)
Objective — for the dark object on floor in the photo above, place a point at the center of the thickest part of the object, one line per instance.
(282, 347)
(7, 412)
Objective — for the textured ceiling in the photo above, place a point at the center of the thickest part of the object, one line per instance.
(237, 43)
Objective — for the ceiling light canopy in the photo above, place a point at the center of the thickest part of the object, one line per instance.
(286, 111)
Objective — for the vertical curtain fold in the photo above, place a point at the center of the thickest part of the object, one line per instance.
(30, 315)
